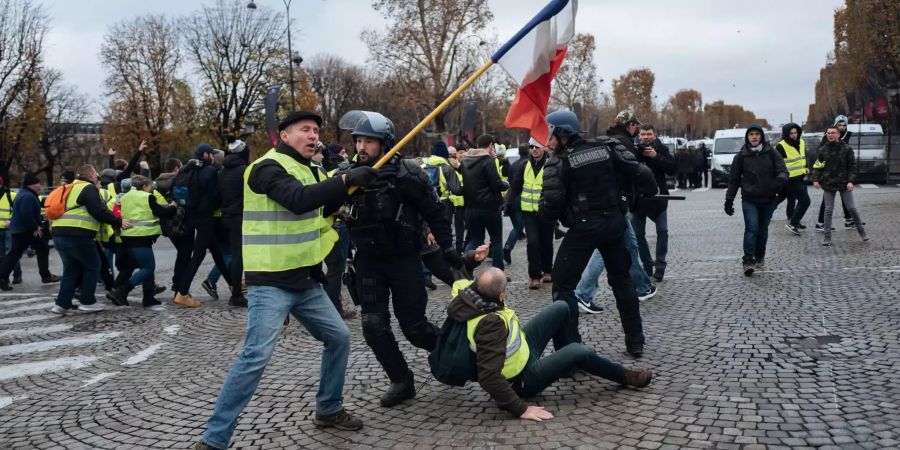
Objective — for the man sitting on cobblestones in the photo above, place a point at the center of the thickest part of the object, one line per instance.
(508, 357)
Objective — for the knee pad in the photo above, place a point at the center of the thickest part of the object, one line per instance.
(376, 326)
(421, 334)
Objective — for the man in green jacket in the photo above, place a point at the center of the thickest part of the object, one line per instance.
(834, 172)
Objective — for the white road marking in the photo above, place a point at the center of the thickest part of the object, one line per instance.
(99, 378)
(42, 346)
(6, 401)
(18, 294)
(26, 308)
(36, 330)
(701, 189)
(172, 330)
(41, 367)
(12, 320)
(869, 186)
(24, 300)
(142, 355)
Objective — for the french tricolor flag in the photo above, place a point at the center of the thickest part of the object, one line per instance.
(532, 57)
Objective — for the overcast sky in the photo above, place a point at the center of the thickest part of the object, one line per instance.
(765, 57)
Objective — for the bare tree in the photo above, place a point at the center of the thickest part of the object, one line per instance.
(66, 110)
(23, 27)
(142, 59)
(634, 91)
(238, 52)
(339, 86)
(576, 80)
(426, 45)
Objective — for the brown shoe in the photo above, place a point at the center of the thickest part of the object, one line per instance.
(348, 314)
(534, 284)
(637, 377)
(547, 278)
(186, 301)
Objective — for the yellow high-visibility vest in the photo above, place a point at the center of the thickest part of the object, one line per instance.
(517, 351)
(532, 185)
(77, 216)
(136, 209)
(794, 159)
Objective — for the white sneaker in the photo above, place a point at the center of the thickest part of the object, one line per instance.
(96, 307)
(649, 294)
(589, 307)
(56, 309)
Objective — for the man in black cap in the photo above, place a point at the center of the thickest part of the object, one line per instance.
(203, 187)
(25, 229)
(283, 194)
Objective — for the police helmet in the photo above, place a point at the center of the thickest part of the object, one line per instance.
(370, 124)
(563, 123)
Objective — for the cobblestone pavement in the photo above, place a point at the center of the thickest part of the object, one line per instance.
(803, 354)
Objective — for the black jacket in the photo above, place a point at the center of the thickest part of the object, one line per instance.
(761, 175)
(663, 164)
(269, 178)
(90, 199)
(26, 211)
(208, 197)
(231, 186)
(482, 186)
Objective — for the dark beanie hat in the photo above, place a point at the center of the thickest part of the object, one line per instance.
(30, 179)
(68, 175)
(440, 149)
(204, 148)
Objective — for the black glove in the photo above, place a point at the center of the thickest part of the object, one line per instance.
(361, 176)
(453, 257)
(729, 207)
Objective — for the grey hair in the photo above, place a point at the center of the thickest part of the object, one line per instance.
(491, 282)
(139, 182)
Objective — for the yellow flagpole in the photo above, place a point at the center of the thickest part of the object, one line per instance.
(429, 118)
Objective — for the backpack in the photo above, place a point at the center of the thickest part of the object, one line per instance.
(434, 176)
(185, 188)
(452, 361)
(174, 227)
(55, 203)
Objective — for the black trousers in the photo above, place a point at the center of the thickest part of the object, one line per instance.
(184, 247)
(540, 245)
(19, 242)
(397, 280)
(236, 268)
(204, 232)
(705, 177)
(606, 233)
(459, 226)
(335, 265)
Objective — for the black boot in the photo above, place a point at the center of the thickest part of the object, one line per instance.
(149, 301)
(119, 295)
(399, 392)
(4, 285)
(634, 345)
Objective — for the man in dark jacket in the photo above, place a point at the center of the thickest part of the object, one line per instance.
(73, 239)
(231, 181)
(483, 193)
(835, 172)
(707, 162)
(513, 209)
(509, 369)
(841, 123)
(760, 173)
(201, 225)
(25, 230)
(656, 156)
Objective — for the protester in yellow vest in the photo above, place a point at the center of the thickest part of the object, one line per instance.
(528, 185)
(25, 230)
(458, 201)
(286, 237)
(73, 238)
(141, 212)
(793, 149)
(508, 354)
(6, 200)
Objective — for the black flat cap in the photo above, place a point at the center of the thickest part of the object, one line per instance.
(297, 116)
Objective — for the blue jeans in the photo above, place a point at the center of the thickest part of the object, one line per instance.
(146, 263)
(639, 223)
(267, 308)
(80, 260)
(517, 217)
(756, 228)
(5, 238)
(590, 278)
(479, 220)
(540, 373)
(215, 273)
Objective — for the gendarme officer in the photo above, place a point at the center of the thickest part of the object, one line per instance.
(585, 187)
(385, 227)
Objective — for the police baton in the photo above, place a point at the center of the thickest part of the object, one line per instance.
(669, 197)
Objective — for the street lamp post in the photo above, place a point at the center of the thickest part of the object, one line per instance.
(291, 58)
(893, 93)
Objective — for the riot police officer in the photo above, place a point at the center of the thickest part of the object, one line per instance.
(385, 221)
(585, 185)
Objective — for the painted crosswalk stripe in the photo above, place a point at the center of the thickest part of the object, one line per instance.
(41, 367)
(700, 189)
(142, 355)
(99, 378)
(5, 303)
(25, 308)
(42, 346)
(12, 320)
(869, 186)
(6, 401)
(36, 330)
(18, 294)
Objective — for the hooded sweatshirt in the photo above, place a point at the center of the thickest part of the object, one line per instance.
(490, 337)
(758, 171)
(786, 137)
(483, 187)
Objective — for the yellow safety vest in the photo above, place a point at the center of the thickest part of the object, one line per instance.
(106, 230)
(136, 209)
(77, 216)
(516, 344)
(6, 208)
(532, 185)
(499, 169)
(794, 159)
(274, 238)
(437, 161)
